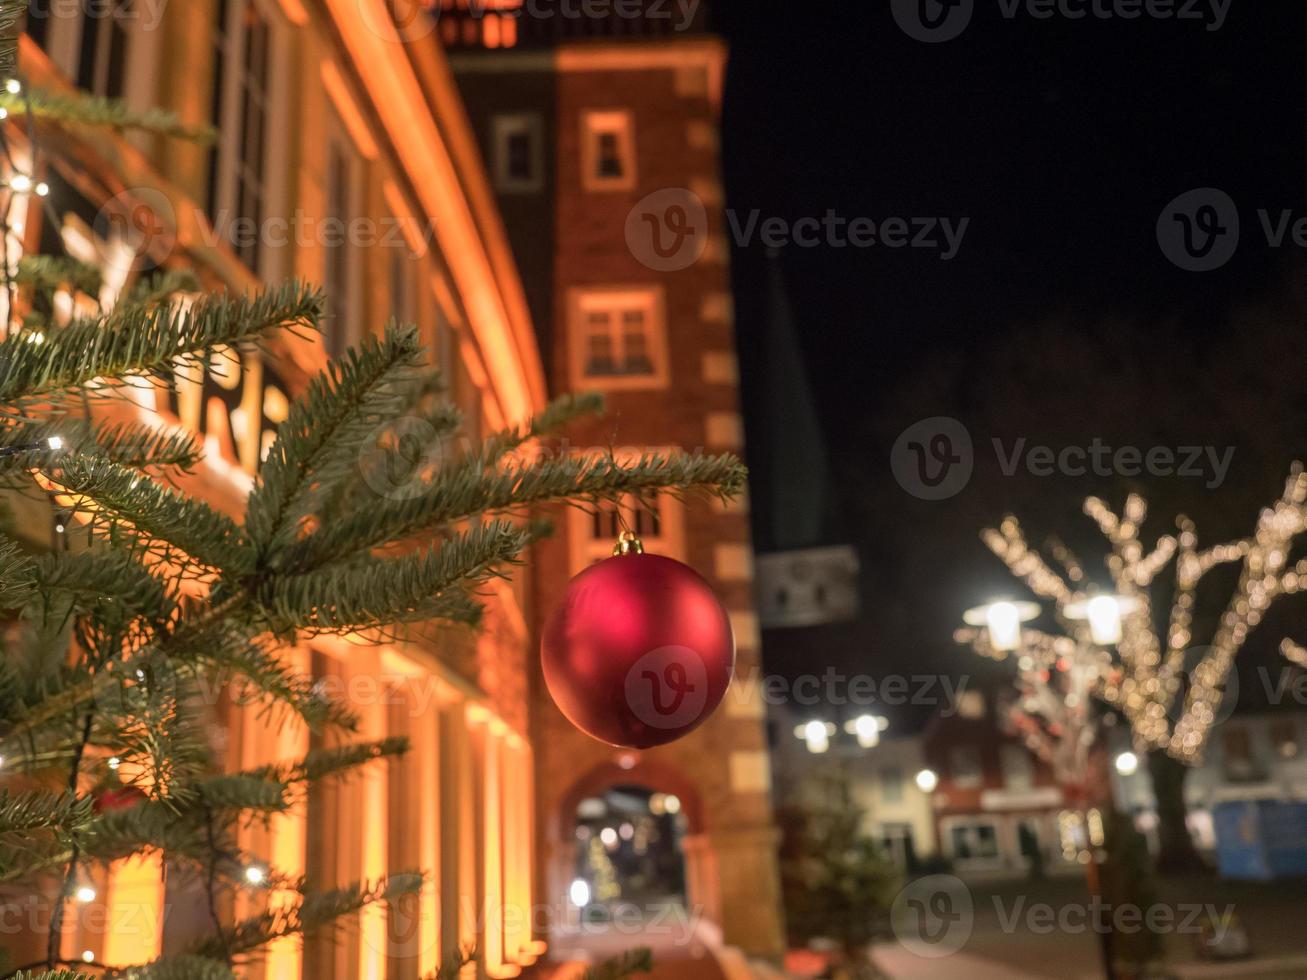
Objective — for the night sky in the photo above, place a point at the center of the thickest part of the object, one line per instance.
(1059, 319)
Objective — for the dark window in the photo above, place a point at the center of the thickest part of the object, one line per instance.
(101, 60)
(337, 278)
(519, 153)
(609, 161)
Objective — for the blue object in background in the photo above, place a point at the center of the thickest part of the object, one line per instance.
(1261, 839)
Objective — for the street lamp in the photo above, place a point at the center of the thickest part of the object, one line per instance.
(867, 728)
(816, 735)
(927, 780)
(1003, 620)
(1104, 613)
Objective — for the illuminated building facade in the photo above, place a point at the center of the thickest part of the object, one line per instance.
(343, 158)
(600, 134)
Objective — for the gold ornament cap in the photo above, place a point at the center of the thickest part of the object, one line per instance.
(628, 544)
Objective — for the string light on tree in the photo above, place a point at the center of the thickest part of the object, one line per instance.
(1109, 648)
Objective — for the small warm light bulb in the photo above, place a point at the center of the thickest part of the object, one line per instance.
(58, 529)
(42, 189)
(55, 442)
(255, 875)
(13, 86)
(86, 894)
(672, 804)
(88, 956)
(21, 183)
(927, 780)
(114, 762)
(1127, 763)
(4, 113)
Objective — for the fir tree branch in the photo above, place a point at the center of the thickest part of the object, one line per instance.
(128, 444)
(11, 14)
(139, 340)
(311, 913)
(558, 414)
(265, 678)
(17, 578)
(153, 513)
(633, 961)
(467, 491)
(379, 591)
(46, 273)
(320, 441)
(34, 812)
(321, 763)
(95, 578)
(94, 110)
(175, 968)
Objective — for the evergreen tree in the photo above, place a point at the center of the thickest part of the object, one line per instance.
(117, 640)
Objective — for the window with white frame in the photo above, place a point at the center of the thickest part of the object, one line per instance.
(657, 520)
(241, 161)
(343, 192)
(618, 338)
(518, 152)
(607, 150)
(974, 841)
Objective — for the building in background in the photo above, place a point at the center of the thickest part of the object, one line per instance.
(344, 158)
(879, 769)
(1251, 756)
(600, 134)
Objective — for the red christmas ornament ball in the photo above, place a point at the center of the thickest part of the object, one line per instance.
(639, 652)
(117, 798)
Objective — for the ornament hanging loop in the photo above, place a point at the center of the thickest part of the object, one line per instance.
(628, 544)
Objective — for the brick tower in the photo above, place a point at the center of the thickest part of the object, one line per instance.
(600, 133)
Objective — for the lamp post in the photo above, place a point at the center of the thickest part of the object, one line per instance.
(1054, 712)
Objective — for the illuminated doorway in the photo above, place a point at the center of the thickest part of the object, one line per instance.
(629, 860)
